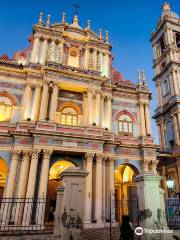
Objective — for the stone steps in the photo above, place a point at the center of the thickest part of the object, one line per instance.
(100, 234)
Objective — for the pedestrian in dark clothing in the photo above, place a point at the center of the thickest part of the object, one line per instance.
(126, 230)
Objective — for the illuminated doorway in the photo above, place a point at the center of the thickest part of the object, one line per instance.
(3, 175)
(54, 181)
(125, 191)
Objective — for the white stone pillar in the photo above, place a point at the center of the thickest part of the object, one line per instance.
(148, 122)
(106, 64)
(86, 58)
(44, 51)
(94, 59)
(44, 102)
(159, 134)
(111, 185)
(102, 111)
(43, 183)
(98, 108)
(142, 119)
(53, 106)
(88, 189)
(60, 51)
(31, 187)
(35, 50)
(109, 113)
(90, 106)
(99, 189)
(26, 102)
(22, 185)
(175, 82)
(52, 55)
(85, 109)
(104, 190)
(36, 103)
(12, 174)
(101, 63)
(176, 130)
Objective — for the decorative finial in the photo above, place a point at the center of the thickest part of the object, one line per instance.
(107, 36)
(63, 17)
(143, 77)
(75, 19)
(41, 18)
(166, 7)
(100, 34)
(88, 24)
(139, 77)
(48, 20)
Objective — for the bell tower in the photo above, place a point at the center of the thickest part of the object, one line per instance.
(166, 63)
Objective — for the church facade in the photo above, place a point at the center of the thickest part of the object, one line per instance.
(166, 46)
(62, 104)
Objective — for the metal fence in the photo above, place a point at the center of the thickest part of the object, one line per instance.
(173, 212)
(19, 215)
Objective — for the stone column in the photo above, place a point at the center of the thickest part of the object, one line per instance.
(44, 51)
(94, 59)
(142, 120)
(90, 105)
(52, 56)
(101, 63)
(22, 185)
(104, 190)
(102, 112)
(44, 174)
(98, 108)
(175, 82)
(31, 187)
(178, 121)
(35, 50)
(159, 134)
(111, 186)
(12, 174)
(109, 113)
(86, 58)
(26, 102)
(148, 123)
(61, 51)
(36, 103)
(44, 102)
(106, 63)
(88, 189)
(99, 189)
(53, 106)
(176, 130)
(9, 192)
(85, 109)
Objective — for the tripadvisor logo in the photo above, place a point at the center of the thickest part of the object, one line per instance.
(139, 231)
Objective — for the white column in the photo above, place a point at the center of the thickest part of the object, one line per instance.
(88, 189)
(22, 185)
(90, 106)
(106, 64)
(176, 130)
(36, 103)
(60, 51)
(102, 112)
(104, 190)
(85, 109)
(94, 59)
(98, 108)
(44, 174)
(99, 189)
(148, 123)
(26, 102)
(86, 58)
(111, 184)
(44, 103)
(52, 55)
(53, 106)
(44, 51)
(109, 113)
(31, 187)
(175, 82)
(101, 63)
(35, 50)
(142, 120)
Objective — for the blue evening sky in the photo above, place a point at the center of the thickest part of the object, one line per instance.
(129, 22)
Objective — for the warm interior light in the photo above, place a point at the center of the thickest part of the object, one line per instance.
(170, 183)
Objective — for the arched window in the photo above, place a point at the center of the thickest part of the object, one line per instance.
(69, 116)
(165, 87)
(73, 57)
(125, 125)
(5, 108)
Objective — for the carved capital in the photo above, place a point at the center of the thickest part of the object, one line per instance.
(25, 155)
(35, 153)
(99, 157)
(15, 154)
(47, 154)
(111, 159)
(89, 156)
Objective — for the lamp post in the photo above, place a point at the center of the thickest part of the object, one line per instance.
(170, 186)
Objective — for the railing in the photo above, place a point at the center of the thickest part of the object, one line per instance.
(19, 215)
(173, 212)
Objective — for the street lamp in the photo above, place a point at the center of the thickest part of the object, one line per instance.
(170, 186)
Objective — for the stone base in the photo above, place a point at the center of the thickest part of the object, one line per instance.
(99, 225)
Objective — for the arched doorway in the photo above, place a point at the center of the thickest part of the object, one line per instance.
(3, 175)
(125, 191)
(54, 181)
